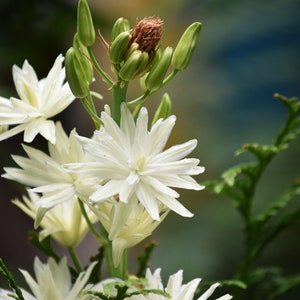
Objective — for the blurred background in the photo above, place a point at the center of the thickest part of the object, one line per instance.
(248, 50)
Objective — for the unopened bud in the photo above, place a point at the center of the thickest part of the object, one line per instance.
(135, 65)
(82, 50)
(164, 110)
(158, 70)
(76, 74)
(186, 46)
(85, 26)
(120, 25)
(119, 47)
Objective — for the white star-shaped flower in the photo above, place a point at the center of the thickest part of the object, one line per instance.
(127, 224)
(53, 281)
(64, 222)
(131, 161)
(39, 101)
(174, 290)
(46, 174)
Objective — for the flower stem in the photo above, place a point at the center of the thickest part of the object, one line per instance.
(95, 232)
(121, 270)
(75, 259)
(118, 96)
(103, 74)
(89, 106)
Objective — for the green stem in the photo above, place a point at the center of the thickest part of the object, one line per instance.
(170, 77)
(118, 96)
(75, 259)
(121, 270)
(95, 232)
(103, 74)
(138, 100)
(89, 106)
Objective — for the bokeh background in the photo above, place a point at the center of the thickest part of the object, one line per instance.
(248, 50)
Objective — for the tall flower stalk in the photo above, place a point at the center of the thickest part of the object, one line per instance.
(121, 182)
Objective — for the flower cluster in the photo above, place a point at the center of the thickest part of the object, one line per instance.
(53, 281)
(121, 182)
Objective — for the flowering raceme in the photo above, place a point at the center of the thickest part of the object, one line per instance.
(39, 101)
(130, 160)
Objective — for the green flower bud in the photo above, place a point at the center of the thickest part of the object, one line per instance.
(135, 65)
(158, 70)
(186, 46)
(85, 27)
(82, 50)
(133, 47)
(164, 110)
(120, 25)
(75, 74)
(119, 47)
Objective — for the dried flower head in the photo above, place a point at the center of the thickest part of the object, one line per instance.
(147, 34)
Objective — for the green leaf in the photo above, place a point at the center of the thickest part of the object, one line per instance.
(144, 259)
(277, 206)
(44, 245)
(231, 175)
(286, 284)
(11, 281)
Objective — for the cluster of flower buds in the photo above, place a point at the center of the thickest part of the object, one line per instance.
(132, 50)
(137, 51)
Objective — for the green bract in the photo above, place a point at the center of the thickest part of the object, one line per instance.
(85, 27)
(186, 46)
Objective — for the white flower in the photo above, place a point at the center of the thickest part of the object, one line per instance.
(131, 161)
(127, 224)
(174, 289)
(47, 174)
(64, 222)
(40, 100)
(53, 281)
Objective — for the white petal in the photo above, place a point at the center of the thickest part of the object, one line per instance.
(9, 133)
(209, 292)
(110, 189)
(159, 135)
(174, 205)
(147, 199)
(176, 152)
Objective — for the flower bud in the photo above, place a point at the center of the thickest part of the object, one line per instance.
(164, 110)
(119, 47)
(158, 70)
(120, 25)
(134, 65)
(75, 74)
(82, 50)
(186, 46)
(85, 27)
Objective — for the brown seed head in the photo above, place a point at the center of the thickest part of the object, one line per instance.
(147, 34)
